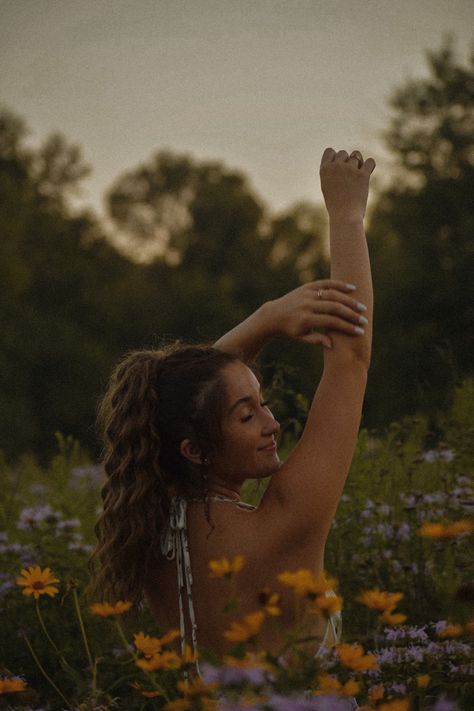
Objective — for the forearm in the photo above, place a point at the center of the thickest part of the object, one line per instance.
(350, 262)
(249, 336)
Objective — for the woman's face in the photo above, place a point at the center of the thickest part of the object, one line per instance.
(249, 449)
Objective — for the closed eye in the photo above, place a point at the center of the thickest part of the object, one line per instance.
(247, 418)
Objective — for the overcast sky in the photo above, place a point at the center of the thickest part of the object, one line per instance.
(263, 85)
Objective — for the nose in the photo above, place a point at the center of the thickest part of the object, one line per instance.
(271, 425)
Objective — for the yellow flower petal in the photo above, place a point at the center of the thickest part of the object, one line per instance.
(105, 609)
(423, 680)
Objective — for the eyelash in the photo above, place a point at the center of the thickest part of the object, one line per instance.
(249, 417)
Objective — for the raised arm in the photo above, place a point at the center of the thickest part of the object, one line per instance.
(304, 494)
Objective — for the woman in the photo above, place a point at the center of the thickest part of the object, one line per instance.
(184, 427)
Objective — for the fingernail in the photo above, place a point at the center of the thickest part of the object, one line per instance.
(358, 330)
(362, 319)
(361, 307)
(326, 345)
(351, 286)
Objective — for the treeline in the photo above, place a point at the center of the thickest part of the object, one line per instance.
(72, 301)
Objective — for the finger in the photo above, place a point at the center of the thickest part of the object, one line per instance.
(331, 294)
(332, 322)
(316, 338)
(346, 310)
(356, 157)
(341, 157)
(328, 155)
(369, 166)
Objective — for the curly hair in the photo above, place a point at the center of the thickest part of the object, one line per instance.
(154, 400)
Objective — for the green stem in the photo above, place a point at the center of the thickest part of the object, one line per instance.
(92, 663)
(135, 658)
(42, 670)
(50, 640)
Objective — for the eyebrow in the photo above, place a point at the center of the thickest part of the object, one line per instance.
(247, 398)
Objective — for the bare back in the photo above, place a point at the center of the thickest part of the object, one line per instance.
(236, 531)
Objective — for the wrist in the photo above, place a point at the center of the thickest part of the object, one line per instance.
(348, 219)
(267, 315)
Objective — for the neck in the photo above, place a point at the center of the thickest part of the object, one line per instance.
(217, 486)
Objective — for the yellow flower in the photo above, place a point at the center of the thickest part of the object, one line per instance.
(11, 685)
(379, 600)
(376, 693)
(304, 582)
(105, 609)
(454, 529)
(327, 684)
(153, 645)
(395, 705)
(148, 694)
(350, 688)
(224, 568)
(196, 687)
(178, 705)
(423, 680)
(393, 618)
(353, 656)
(270, 601)
(329, 603)
(37, 582)
(164, 660)
(441, 530)
(250, 661)
(431, 530)
(243, 631)
(450, 631)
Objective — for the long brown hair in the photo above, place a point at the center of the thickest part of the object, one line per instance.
(154, 400)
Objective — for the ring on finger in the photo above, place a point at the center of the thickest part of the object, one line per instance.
(319, 293)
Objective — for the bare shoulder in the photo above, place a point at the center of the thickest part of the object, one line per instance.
(302, 497)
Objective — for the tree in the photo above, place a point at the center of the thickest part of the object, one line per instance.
(421, 244)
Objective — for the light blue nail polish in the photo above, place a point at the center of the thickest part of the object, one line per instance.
(351, 286)
(362, 319)
(359, 330)
(361, 307)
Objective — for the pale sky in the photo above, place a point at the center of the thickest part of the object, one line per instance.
(262, 85)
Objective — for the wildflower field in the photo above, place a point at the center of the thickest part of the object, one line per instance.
(400, 553)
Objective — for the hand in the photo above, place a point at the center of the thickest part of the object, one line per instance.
(345, 183)
(300, 311)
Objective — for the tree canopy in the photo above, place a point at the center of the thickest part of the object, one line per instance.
(193, 249)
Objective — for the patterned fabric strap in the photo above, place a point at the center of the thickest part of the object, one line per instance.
(174, 544)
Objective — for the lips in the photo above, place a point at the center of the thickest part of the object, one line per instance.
(269, 447)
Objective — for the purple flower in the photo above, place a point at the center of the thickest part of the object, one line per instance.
(397, 688)
(315, 703)
(229, 675)
(67, 524)
(90, 475)
(444, 705)
(403, 532)
(31, 517)
(414, 654)
(80, 547)
(384, 509)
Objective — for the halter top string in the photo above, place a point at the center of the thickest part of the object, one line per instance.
(174, 544)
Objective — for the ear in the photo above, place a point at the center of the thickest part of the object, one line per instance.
(190, 451)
